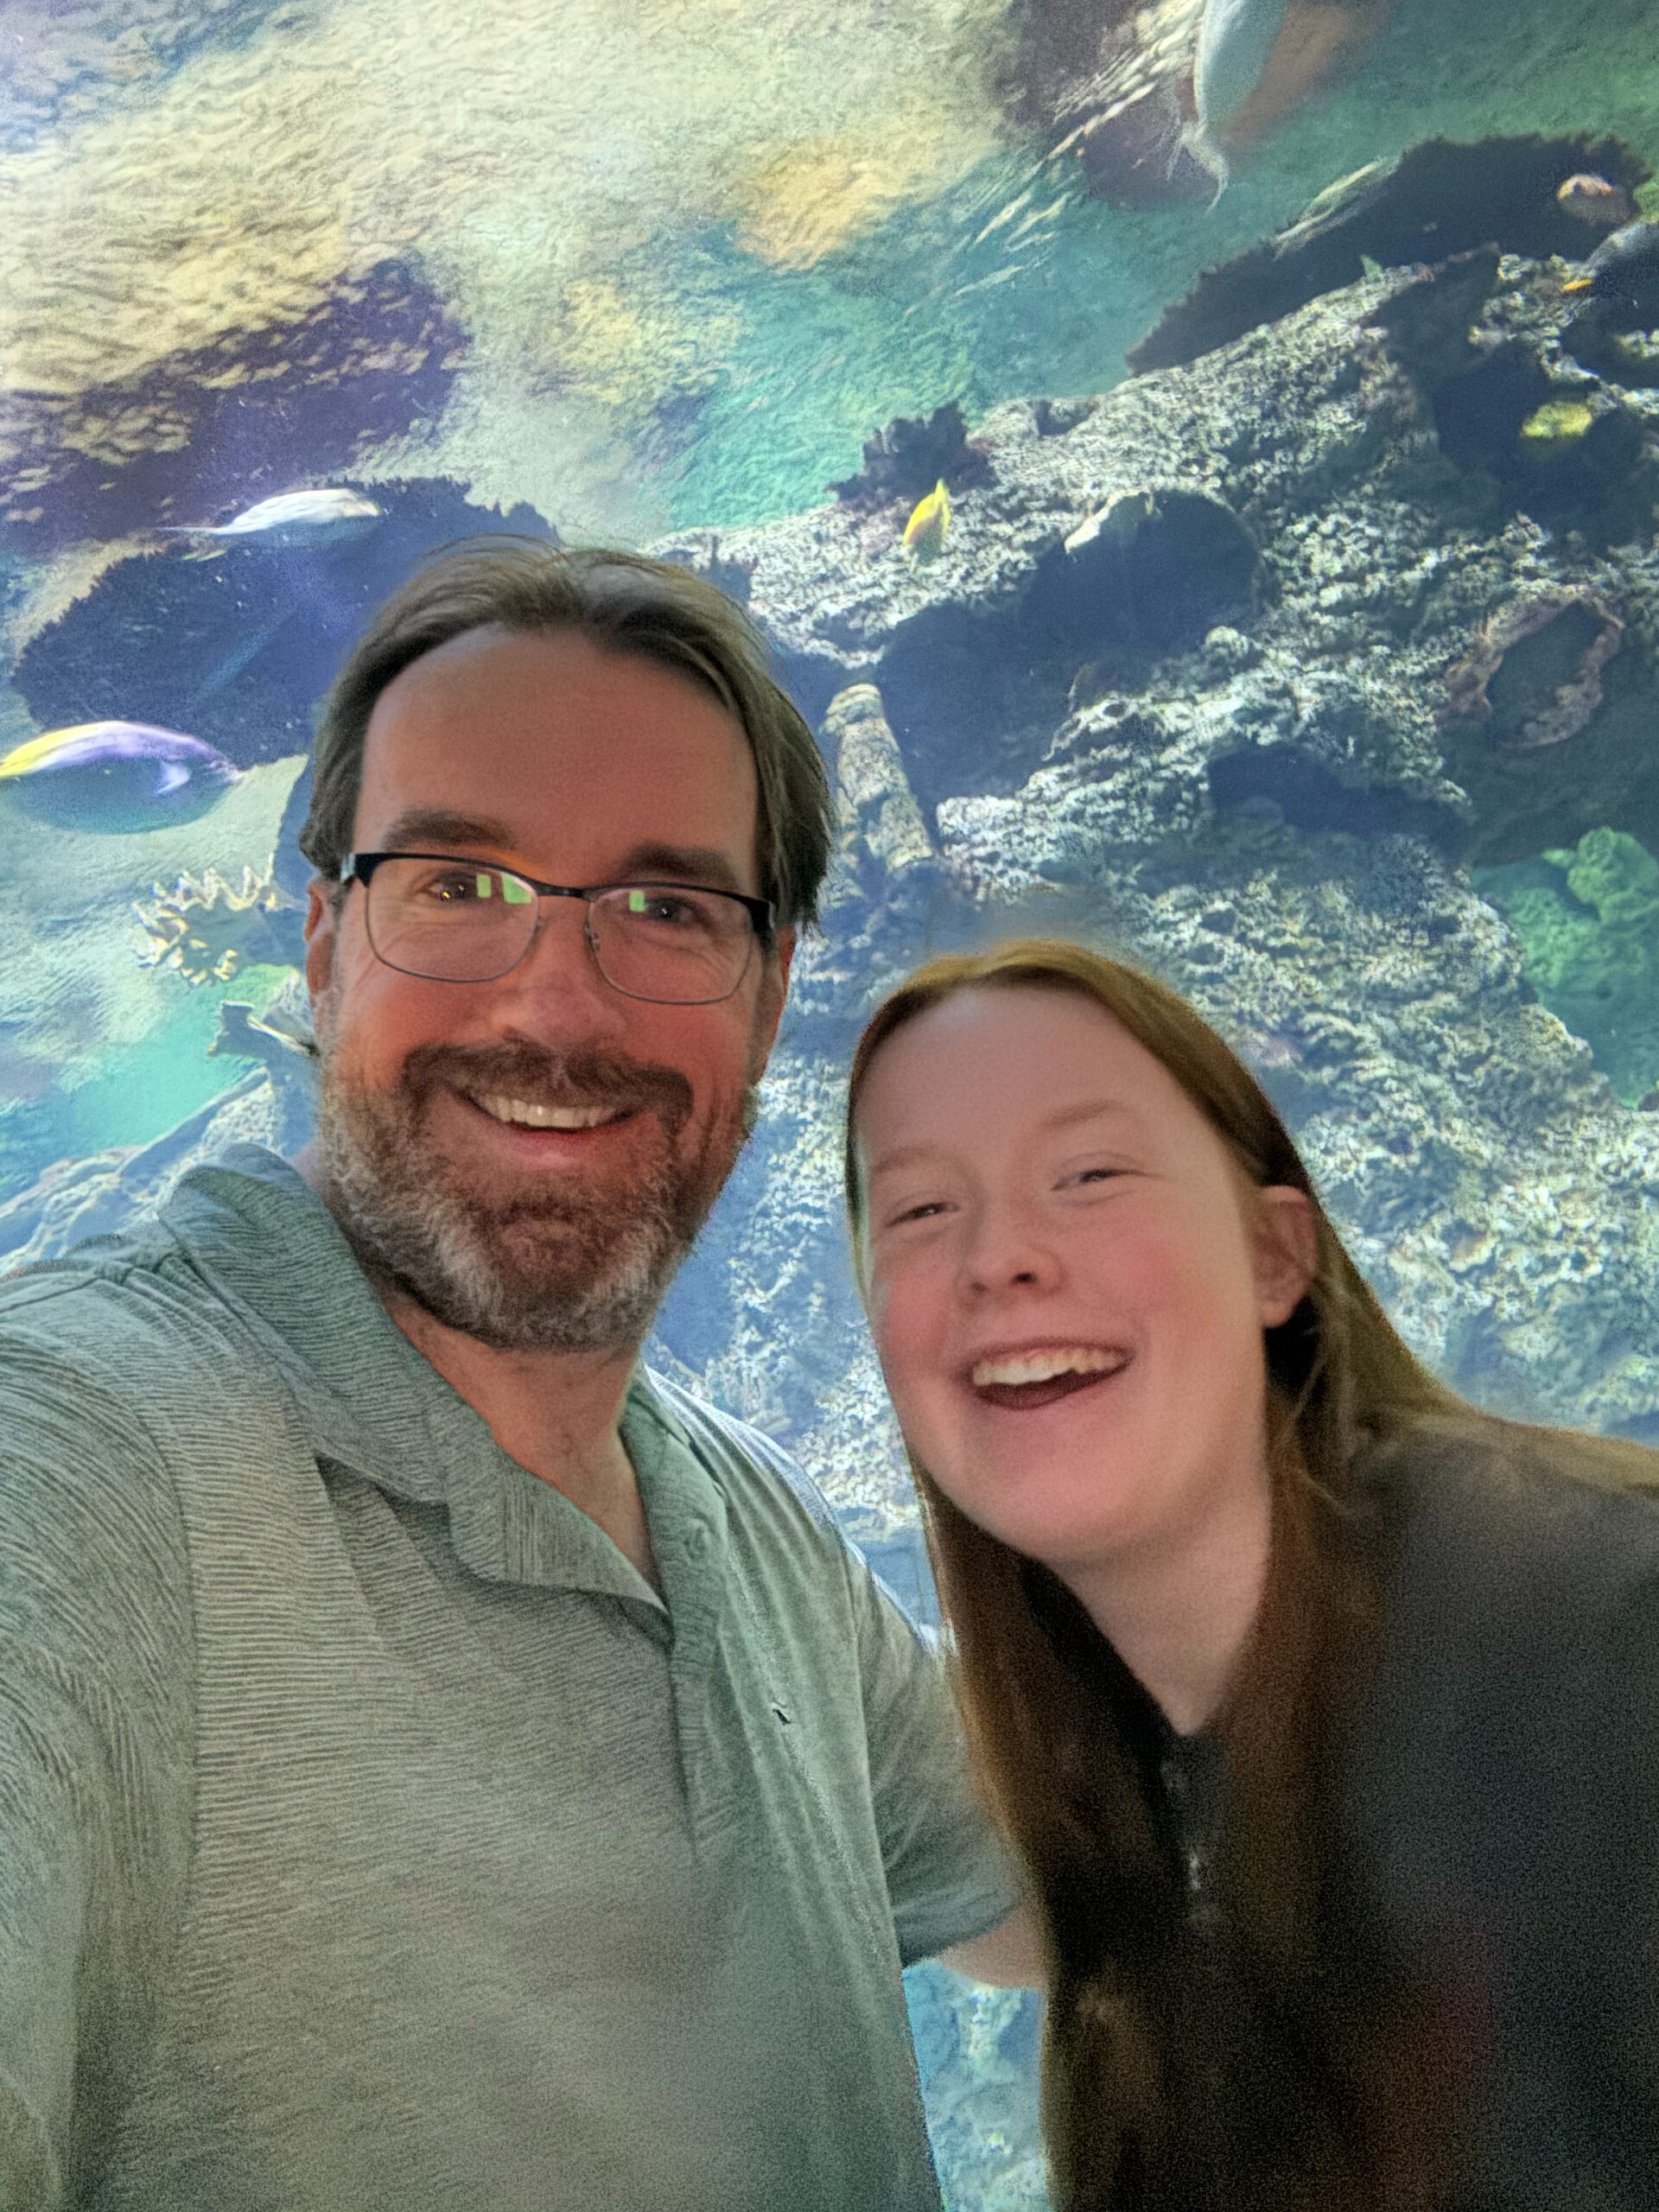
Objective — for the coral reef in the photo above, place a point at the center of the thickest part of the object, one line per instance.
(1436, 201)
(1263, 797)
(100, 447)
(207, 928)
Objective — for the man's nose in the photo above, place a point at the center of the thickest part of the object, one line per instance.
(556, 988)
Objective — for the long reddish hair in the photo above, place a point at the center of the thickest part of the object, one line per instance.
(1342, 2092)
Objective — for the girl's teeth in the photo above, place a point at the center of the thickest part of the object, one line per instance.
(1040, 1367)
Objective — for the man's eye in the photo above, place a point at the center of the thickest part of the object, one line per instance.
(667, 910)
(459, 887)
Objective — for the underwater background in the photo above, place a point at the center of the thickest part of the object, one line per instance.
(1197, 466)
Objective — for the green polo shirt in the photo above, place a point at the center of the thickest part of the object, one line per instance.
(373, 1836)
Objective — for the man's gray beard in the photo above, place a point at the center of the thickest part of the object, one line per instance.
(564, 1270)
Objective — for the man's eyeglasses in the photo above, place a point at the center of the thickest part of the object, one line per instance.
(461, 921)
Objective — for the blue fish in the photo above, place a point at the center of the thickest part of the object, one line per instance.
(115, 776)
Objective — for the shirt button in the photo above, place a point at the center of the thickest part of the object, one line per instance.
(699, 1543)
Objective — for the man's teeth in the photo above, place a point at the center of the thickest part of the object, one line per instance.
(546, 1118)
(1044, 1366)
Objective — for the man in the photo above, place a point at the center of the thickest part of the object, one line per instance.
(441, 1766)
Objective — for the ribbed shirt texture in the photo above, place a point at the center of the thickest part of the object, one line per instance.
(373, 1835)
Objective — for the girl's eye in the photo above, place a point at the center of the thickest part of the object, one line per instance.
(922, 1211)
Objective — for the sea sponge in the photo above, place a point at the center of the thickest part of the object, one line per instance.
(1592, 946)
(1559, 423)
(1615, 874)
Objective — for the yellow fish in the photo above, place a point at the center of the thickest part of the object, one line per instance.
(930, 519)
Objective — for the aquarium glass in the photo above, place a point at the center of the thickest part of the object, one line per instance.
(1194, 465)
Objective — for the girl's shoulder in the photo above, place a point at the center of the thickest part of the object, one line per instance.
(1520, 1558)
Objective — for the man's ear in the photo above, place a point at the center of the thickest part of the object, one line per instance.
(1287, 1250)
(321, 916)
(774, 988)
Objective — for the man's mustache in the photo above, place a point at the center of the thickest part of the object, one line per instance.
(544, 1078)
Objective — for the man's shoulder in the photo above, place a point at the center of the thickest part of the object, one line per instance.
(88, 1304)
(125, 1336)
(745, 1463)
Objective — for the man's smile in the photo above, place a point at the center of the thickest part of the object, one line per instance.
(529, 1114)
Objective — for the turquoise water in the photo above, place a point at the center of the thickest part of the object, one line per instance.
(623, 271)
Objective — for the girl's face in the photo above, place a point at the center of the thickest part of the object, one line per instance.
(1068, 1278)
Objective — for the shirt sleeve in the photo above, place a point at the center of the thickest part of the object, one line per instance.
(95, 1722)
(948, 1876)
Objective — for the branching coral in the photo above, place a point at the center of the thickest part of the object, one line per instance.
(207, 928)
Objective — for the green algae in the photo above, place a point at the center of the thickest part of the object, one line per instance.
(1587, 918)
(1557, 424)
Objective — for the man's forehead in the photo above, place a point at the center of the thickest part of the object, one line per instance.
(537, 737)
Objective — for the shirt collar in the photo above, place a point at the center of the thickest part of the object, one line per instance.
(252, 1228)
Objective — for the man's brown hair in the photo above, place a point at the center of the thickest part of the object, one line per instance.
(623, 603)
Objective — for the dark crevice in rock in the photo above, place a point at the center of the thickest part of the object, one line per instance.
(972, 700)
(811, 679)
(1440, 199)
(973, 697)
(1153, 568)
(1593, 475)
(1287, 783)
(1427, 323)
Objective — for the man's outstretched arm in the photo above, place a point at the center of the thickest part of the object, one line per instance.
(1010, 1955)
(95, 1704)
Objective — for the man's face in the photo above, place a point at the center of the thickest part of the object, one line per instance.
(546, 756)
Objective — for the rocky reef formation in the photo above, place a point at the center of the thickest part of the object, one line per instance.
(1238, 668)
(233, 639)
(102, 439)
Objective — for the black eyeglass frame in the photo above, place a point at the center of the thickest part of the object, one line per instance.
(360, 867)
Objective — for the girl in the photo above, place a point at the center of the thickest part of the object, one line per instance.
(1321, 1707)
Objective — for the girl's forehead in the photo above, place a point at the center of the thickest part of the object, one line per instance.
(1017, 1050)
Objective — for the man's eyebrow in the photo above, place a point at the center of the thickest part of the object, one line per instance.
(436, 828)
(1093, 1110)
(439, 827)
(680, 864)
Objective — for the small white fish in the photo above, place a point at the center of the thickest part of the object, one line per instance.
(1235, 39)
(325, 516)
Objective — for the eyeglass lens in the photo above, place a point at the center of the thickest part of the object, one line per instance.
(453, 922)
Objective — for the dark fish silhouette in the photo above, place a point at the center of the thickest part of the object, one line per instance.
(115, 776)
(1624, 271)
